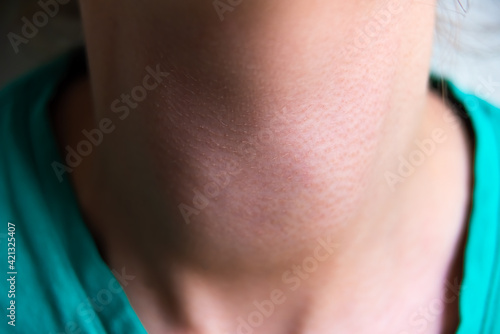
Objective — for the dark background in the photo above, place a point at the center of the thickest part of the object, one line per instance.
(467, 46)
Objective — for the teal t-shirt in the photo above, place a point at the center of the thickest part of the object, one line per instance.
(53, 280)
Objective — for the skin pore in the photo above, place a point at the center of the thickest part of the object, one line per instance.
(325, 105)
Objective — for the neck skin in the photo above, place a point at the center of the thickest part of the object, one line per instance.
(303, 206)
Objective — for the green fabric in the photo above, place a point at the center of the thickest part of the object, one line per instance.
(61, 277)
(64, 286)
(480, 296)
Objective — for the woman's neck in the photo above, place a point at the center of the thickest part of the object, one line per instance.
(247, 159)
